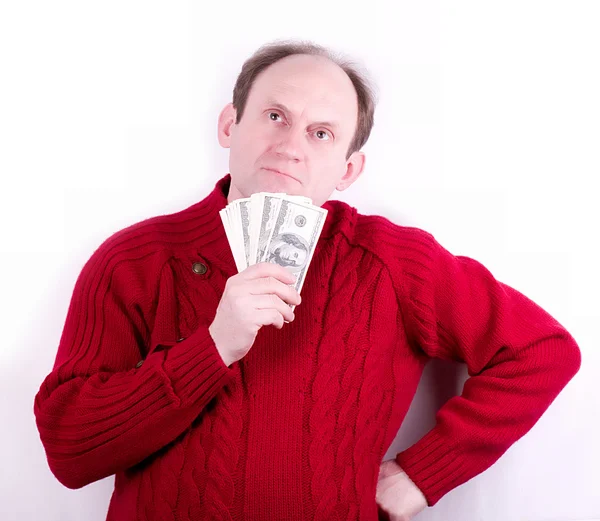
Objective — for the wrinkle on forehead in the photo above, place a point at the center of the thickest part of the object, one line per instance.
(301, 91)
(298, 83)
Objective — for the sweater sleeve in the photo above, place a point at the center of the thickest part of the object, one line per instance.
(518, 358)
(102, 409)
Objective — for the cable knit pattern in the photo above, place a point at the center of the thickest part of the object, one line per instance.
(326, 386)
(297, 428)
(219, 432)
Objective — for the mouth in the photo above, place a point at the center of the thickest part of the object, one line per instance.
(279, 172)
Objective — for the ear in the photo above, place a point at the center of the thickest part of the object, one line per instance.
(226, 121)
(354, 167)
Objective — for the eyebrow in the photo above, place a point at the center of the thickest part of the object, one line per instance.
(283, 108)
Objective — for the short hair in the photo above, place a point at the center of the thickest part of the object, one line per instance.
(271, 53)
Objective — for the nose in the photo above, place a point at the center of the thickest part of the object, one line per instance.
(289, 145)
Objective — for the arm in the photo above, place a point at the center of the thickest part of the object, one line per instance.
(519, 358)
(100, 411)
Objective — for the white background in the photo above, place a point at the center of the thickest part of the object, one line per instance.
(487, 135)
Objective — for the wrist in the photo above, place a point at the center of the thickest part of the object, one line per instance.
(225, 358)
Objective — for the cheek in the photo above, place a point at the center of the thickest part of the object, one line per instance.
(245, 147)
(255, 142)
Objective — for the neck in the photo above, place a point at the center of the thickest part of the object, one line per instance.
(233, 194)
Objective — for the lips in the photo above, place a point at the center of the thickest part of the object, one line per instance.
(279, 172)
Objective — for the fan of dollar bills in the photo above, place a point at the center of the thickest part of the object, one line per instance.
(274, 227)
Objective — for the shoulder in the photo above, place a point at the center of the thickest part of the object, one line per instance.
(392, 241)
(139, 251)
(397, 246)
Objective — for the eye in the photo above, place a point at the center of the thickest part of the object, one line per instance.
(273, 114)
(325, 133)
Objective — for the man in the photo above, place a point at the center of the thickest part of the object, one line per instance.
(169, 376)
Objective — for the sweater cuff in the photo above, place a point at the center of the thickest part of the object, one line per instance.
(196, 368)
(433, 465)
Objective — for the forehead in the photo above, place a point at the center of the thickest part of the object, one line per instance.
(307, 84)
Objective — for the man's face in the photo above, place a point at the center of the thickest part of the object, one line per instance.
(299, 120)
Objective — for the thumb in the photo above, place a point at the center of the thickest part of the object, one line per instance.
(388, 468)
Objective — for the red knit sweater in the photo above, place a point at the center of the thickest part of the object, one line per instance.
(297, 428)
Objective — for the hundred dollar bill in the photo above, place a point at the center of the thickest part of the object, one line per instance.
(266, 209)
(293, 238)
(226, 219)
(265, 213)
(249, 224)
(244, 213)
(261, 219)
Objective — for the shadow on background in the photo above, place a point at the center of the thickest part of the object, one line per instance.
(441, 381)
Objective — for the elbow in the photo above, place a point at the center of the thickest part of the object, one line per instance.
(71, 467)
(70, 482)
(565, 356)
(71, 475)
(572, 356)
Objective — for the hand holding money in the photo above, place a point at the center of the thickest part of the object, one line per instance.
(276, 228)
(258, 296)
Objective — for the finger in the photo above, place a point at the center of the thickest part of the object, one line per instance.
(267, 317)
(273, 302)
(268, 269)
(270, 285)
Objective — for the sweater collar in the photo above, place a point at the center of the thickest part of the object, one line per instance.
(213, 242)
